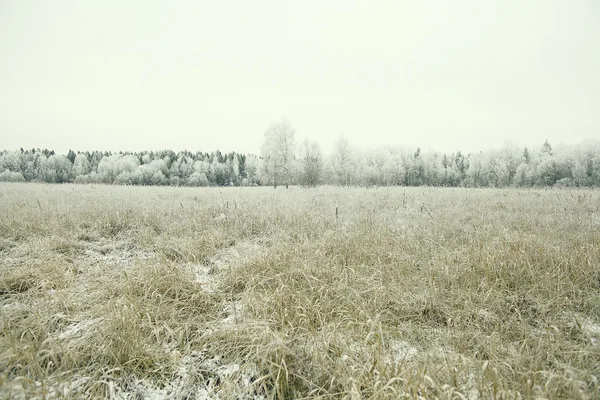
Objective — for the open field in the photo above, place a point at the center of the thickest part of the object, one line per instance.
(155, 292)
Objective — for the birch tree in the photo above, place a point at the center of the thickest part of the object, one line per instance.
(278, 152)
(342, 161)
(311, 160)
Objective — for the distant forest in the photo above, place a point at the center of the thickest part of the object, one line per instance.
(304, 164)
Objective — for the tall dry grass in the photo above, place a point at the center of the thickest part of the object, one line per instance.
(322, 293)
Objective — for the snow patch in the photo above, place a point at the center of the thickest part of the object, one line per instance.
(472, 391)
(205, 278)
(238, 254)
(592, 330)
(185, 380)
(196, 377)
(401, 351)
(79, 329)
(229, 258)
(234, 311)
(113, 253)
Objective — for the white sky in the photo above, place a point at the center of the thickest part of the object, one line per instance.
(207, 75)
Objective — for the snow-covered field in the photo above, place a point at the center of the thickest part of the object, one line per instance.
(171, 293)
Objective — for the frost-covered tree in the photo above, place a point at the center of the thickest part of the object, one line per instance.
(452, 175)
(219, 172)
(579, 172)
(45, 170)
(10, 176)
(433, 170)
(546, 174)
(10, 161)
(199, 175)
(546, 148)
(198, 179)
(414, 168)
(233, 165)
(10, 166)
(476, 172)
(71, 156)
(370, 167)
(392, 169)
(311, 163)
(524, 175)
(252, 171)
(496, 169)
(81, 166)
(28, 165)
(62, 167)
(186, 166)
(151, 174)
(342, 161)
(113, 166)
(278, 152)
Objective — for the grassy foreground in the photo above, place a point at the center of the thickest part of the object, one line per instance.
(143, 292)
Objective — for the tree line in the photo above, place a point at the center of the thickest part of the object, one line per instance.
(285, 162)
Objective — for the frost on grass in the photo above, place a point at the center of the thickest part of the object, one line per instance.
(238, 254)
(79, 331)
(22, 389)
(489, 265)
(585, 326)
(592, 330)
(120, 254)
(196, 376)
(228, 259)
(233, 310)
(401, 351)
(6, 244)
(396, 352)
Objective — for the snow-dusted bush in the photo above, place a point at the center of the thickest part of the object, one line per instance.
(9, 176)
(198, 179)
(124, 178)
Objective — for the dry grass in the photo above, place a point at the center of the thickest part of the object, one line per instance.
(133, 292)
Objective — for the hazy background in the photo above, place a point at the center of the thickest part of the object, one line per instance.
(144, 75)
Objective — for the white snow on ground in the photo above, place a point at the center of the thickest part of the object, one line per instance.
(238, 254)
(79, 330)
(229, 258)
(23, 388)
(401, 351)
(472, 391)
(205, 277)
(185, 381)
(234, 311)
(592, 330)
(588, 327)
(114, 253)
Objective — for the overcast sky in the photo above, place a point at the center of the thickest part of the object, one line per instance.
(206, 75)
